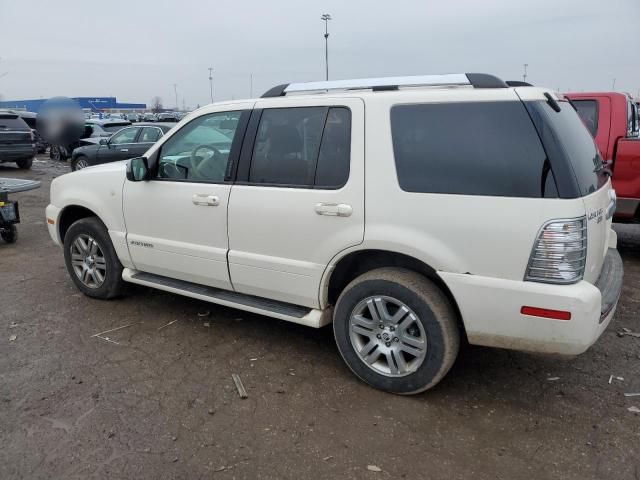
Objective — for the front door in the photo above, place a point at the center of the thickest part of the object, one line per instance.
(119, 145)
(177, 221)
(299, 196)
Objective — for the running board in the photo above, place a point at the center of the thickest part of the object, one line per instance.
(272, 308)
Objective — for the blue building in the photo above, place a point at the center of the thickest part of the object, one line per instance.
(94, 104)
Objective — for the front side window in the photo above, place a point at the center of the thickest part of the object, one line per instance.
(470, 148)
(200, 150)
(127, 135)
(588, 112)
(303, 147)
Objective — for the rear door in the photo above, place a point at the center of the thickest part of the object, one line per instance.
(299, 196)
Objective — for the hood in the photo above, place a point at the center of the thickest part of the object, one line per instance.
(103, 168)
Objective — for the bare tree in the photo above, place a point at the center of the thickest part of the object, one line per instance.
(156, 104)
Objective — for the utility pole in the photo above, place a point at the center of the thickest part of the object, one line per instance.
(326, 17)
(211, 83)
(251, 86)
(524, 75)
(175, 90)
(613, 87)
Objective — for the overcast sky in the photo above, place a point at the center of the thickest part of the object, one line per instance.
(135, 50)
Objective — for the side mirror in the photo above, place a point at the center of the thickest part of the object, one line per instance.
(104, 141)
(137, 169)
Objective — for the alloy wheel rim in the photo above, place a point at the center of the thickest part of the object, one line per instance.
(82, 163)
(88, 262)
(387, 336)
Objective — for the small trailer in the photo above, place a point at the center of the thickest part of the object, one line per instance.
(9, 212)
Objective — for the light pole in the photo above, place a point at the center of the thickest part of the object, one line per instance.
(524, 75)
(613, 87)
(326, 17)
(211, 83)
(175, 90)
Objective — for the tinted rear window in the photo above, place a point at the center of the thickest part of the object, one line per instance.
(12, 122)
(568, 142)
(475, 148)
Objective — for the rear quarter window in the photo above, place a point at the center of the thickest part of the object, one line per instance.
(471, 148)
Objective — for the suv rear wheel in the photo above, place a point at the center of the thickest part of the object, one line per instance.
(91, 259)
(25, 163)
(396, 330)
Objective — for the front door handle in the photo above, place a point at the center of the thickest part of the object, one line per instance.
(334, 209)
(205, 200)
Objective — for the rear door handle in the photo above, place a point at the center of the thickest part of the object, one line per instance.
(124, 149)
(205, 200)
(334, 209)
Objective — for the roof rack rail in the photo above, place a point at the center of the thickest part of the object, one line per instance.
(518, 83)
(476, 80)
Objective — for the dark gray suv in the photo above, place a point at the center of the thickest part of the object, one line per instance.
(17, 142)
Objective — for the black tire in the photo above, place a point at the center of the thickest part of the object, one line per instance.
(113, 285)
(432, 309)
(25, 163)
(74, 162)
(56, 153)
(10, 234)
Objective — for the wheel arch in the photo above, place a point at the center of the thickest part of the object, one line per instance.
(358, 262)
(70, 215)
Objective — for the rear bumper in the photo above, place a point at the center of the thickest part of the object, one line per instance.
(490, 309)
(12, 153)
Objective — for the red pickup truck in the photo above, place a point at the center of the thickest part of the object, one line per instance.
(612, 119)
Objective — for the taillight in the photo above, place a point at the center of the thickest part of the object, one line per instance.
(559, 252)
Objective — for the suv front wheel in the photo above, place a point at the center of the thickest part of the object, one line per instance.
(396, 330)
(91, 259)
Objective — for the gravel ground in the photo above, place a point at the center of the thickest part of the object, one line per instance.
(157, 403)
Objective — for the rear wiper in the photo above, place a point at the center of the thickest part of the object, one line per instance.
(552, 102)
(604, 168)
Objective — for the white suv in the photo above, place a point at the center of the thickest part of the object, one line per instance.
(407, 211)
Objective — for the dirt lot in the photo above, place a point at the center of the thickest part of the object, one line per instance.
(160, 403)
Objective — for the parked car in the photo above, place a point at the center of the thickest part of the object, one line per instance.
(127, 143)
(30, 119)
(134, 117)
(168, 117)
(17, 141)
(94, 130)
(612, 119)
(504, 238)
(149, 117)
